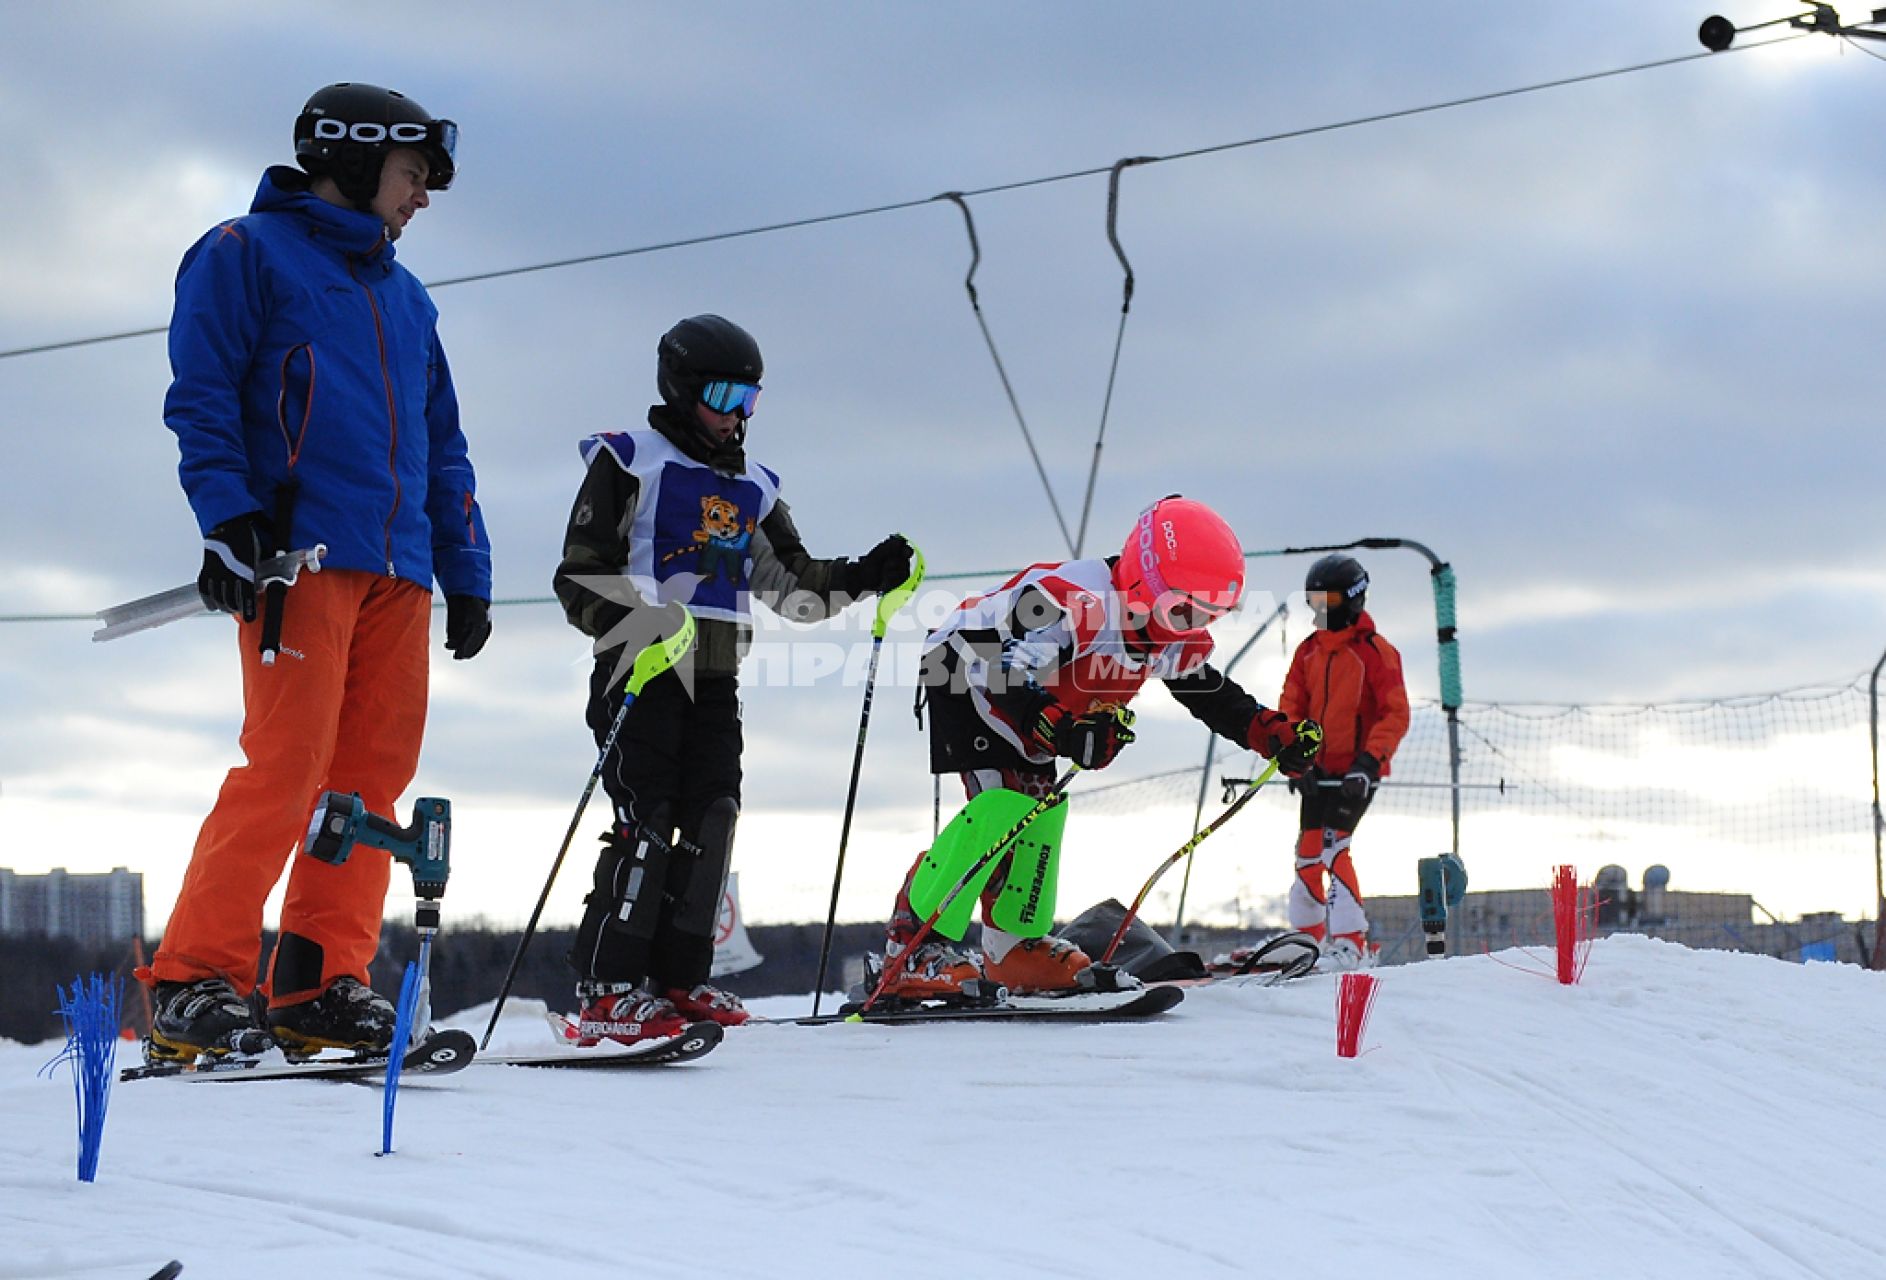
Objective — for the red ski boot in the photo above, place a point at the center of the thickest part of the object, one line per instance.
(709, 1004)
(623, 1013)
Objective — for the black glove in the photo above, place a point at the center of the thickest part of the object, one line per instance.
(1363, 774)
(1299, 753)
(1293, 747)
(1307, 783)
(881, 568)
(231, 551)
(1090, 741)
(467, 625)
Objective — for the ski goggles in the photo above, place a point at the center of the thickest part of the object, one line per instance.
(1184, 613)
(1343, 606)
(731, 397)
(1321, 600)
(444, 142)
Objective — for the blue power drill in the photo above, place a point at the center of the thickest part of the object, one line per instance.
(341, 821)
(1443, 883)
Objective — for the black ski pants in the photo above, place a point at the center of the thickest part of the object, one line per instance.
(673, 778)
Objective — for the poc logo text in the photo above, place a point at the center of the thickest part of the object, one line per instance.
(367, 131)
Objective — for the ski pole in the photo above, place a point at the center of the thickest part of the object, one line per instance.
(888, 603)
(1184, 850)
(1055, 795)
(1231, 785)
(272, 592)
(660, 655)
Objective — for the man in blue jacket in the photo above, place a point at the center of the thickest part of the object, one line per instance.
(313, 405)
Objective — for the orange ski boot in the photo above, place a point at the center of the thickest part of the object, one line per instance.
(1036, 966)
(936, 970)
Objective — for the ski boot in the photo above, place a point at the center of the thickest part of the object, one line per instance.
(934, 971)
(1346, 951)
(708, 1004)
(622, 1012)
(348, 1015)
(1047, 966)
(204, 1018)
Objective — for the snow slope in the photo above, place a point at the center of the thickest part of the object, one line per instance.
(1678, 1114)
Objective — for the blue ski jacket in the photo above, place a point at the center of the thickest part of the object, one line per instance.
(302, 355)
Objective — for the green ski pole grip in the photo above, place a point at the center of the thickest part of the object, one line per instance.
(894, 599)
(662, 654)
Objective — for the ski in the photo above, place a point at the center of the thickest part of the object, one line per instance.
(438, 1054)
(1279, 959)
(1095, 1006)
(697, 1041)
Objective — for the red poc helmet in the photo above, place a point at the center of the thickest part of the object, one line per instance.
(1181, 569)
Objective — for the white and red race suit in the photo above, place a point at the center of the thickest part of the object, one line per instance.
(1055, 630)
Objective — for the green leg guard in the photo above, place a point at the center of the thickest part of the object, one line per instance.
(1025, 907)
(967, 839)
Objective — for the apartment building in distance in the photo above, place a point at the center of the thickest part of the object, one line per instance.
(90, 908)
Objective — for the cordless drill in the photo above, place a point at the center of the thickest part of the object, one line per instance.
(1443, 882)
(341, 821)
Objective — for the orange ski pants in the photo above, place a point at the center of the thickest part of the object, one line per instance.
(342, 708)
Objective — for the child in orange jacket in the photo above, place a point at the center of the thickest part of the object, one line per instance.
(1347, 678)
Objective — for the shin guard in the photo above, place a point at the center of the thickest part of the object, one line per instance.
(968, 839)
(1345, 891)
(1309, 898)
(697, 883)
(624, 905)
(1024, 905)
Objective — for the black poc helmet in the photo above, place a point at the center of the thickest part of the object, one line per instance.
(346, 130)
(700, 350)
(1337, 587)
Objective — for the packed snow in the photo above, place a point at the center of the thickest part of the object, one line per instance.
(1676, 1114)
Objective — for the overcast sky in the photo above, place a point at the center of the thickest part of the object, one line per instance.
(1605, 348)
